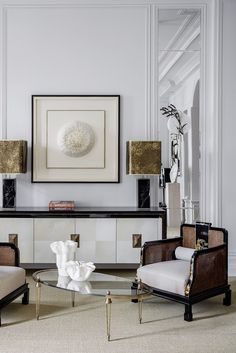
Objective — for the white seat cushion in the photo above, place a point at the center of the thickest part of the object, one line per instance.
(169, 276)
(11, 278)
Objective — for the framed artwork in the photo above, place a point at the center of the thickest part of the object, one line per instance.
(75, 139)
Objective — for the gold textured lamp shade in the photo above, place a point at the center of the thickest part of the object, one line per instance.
(13, 155)
(143, 157)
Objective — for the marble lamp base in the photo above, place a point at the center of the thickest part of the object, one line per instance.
(144, 193)
(9, 193)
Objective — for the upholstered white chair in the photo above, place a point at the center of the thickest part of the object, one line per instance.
(12, 277)
(176, 270)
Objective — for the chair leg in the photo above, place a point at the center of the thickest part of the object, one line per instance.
(134, 292)
(25, 299)
(188, 316)
(227, 298)
(0, 318)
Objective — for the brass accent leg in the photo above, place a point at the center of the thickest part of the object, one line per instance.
(140, 308)
(108, 314)
(38, 295)
(73, 299)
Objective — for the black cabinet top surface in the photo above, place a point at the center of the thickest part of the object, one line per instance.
(83, 212)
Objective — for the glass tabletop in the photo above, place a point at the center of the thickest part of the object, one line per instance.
(97, 284)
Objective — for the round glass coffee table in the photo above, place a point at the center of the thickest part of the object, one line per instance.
(99, 284)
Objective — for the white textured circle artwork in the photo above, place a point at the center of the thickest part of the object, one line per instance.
(76, 139)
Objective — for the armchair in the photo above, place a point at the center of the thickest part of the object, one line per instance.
(12, 277)
(186, 280)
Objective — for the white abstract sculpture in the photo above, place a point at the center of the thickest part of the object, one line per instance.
(82, 287)
(63, 281)
(76, 139)
(79, 270)
(65, 251)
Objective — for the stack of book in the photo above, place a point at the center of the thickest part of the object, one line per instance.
(61, 205)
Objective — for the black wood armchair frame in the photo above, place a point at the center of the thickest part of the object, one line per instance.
(209, 267)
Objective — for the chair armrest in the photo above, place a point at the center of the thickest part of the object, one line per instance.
(159, 250)
(208, 269)
(9, 255)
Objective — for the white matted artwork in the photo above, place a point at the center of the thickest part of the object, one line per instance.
(75, 138)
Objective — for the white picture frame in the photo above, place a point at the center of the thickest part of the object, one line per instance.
(75, 138)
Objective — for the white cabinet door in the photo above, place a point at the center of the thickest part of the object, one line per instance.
(23, 227)
(97, 240)
(131, 231)
(48, 230)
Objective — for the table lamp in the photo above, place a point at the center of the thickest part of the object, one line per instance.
(13, 160)
(143, 158)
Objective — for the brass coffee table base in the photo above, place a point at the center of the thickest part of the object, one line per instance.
(138, 296)
(109, 297)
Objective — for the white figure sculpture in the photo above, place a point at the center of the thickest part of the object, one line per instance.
(65, 251)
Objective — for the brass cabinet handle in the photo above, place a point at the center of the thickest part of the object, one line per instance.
(76, 238)
(137, 240)
(13, 238)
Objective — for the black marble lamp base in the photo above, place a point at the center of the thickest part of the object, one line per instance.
(9, 193)
(144, 193)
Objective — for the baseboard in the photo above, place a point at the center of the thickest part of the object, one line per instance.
(232, 264)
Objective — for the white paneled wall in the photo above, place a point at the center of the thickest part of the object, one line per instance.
(228, 129)
(109, 48)
(76, 50)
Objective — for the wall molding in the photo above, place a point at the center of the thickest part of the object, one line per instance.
(154, 90)
(218, 72)
(76, 4)
(210, 108)
(3, 73)
(211, 138)
(148, 87)
(47, 4)
(211, 114)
